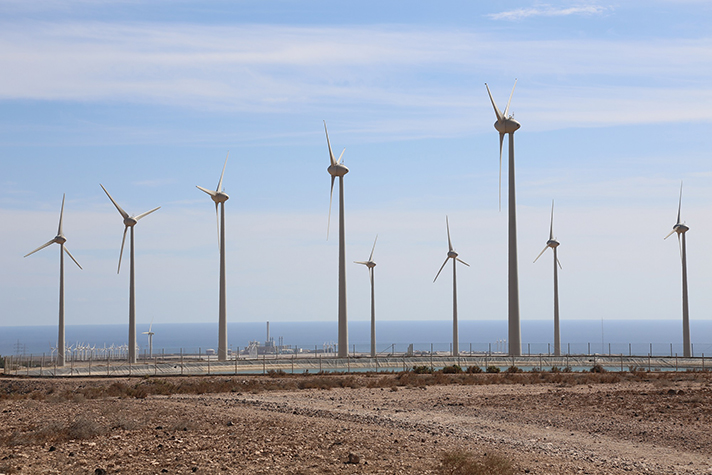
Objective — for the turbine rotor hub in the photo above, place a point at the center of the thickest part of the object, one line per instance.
(680, 228)
(130, 221)
(60, 239)
(552, 243)
(452, 254)
(370, 264)
(220, 197)
(507, 126)
(337, 170)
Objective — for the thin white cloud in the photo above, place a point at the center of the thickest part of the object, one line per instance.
(546, 10)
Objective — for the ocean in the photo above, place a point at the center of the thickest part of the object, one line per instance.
(577, 336)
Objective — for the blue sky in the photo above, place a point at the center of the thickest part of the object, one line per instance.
(148, 97)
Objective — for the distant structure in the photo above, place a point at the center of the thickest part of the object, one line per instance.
(129, 222)
(680, 228)
(61, 240)
(553, 244)
(451, 254)
(507, 125)
(150, 339)
(370, 264)
(220, 197)
(338, 169)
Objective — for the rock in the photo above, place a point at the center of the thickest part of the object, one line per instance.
(354, 458)
(100, 471)
(52, 448)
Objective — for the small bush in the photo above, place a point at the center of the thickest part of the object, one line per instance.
(555, 369)
(492, 369)
(276, 373)
(597, 368)
(422, 369)
(452, 369)
(514, 369)
(461, 462)
(474, 369)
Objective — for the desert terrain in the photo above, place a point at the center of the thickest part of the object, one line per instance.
(401, 423)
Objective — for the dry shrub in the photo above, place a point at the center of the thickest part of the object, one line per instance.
(462, 462)
(57, 432)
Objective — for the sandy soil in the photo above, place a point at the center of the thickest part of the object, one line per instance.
(396, 426)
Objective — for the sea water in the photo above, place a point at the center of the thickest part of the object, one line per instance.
(635, 337)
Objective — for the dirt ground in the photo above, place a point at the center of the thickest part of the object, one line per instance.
(386, 424)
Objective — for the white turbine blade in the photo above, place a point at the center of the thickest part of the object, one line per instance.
(222, 174)
(151, 324)
(441, 269)
(70, 255)
(370, 258)
(679, 245)
(210, 192)
(551, 227)
(506, 109)
(449, 243)
(121, 253)
(61, 214)
(499, 115)
(341, 156)
(557, 261)
(143, 215)
(501, 141)
(542, 252)
(41, 247)
(462, 262)
(217, 220)
(123, 213)
(669, 234)
(361, 262)
(331, 154)
(331, 197)
(679, 205)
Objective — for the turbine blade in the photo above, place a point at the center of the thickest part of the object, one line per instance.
(70, 255)
(551, 227)
(441, 269)
(331, 154)
(40, 248)
(217, 220)
(679, 245)
(123, 213)
(557, 261)
(370, 258)
(669, 234)
(679, 205)
(496, 110)
(462, 262)
(341, 156)
(61, 214)
(542, 252)
(210, 192)
(506, 109)
(143, 215)
(501, 141)
(222, 174)
(121, 253)
(449, 243)
(361, 262)
(331, 197)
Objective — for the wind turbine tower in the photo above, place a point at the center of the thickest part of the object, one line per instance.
(61, 240)
(220, 197)
(451, 254)
(338, 169)
(129, 222)
(553, 244)
(370, 264)
(680, 228)
(506, 124)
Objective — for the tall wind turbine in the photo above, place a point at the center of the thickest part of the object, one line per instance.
(553, 244)
(370, 264)
(338, 169)
(680, 228)
(60, 239)
(451, 254)
(507, 125)
(220, 197)
(129, 222)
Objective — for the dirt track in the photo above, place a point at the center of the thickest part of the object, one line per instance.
(399, 425)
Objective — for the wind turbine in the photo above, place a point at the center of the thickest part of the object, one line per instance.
(150, 339)
(553, 244)
(506, 124)
(680, 228)
(338, 169)
(451, 254)
(60, 239)
(370, 264)
(129, 222)
(220, 197)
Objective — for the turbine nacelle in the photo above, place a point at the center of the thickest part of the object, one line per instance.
(59, 239)
(337, 170)
(130, 221)
(220, 197)
(552, 243)
(680, 228)
(507, 125)
(452, 254)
